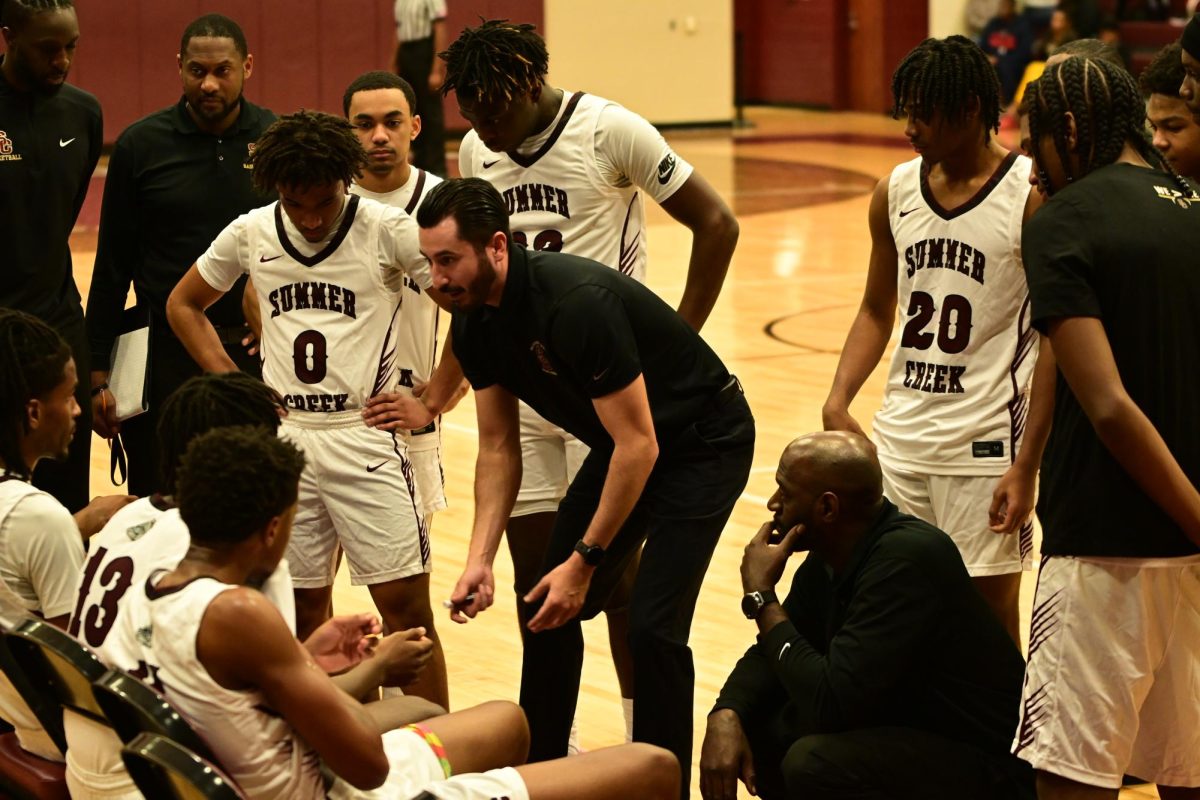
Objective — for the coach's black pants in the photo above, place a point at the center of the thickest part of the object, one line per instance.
(886, 763)
(429, 148)
(170, 367)
(68, 479)
(680, 517)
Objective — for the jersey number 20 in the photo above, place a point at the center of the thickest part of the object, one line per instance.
(953, 326)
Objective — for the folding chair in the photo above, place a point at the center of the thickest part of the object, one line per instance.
(165, 769)
(133, 707)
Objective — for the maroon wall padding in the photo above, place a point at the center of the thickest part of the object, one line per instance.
(305, 51)
(790, 51)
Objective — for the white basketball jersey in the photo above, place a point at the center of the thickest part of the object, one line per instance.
(957, 390)
(112, 617)
(330, 312)
(556, 197)
(416, 345)
(258, 748)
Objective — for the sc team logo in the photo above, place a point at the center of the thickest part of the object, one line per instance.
(249, 156)
(1175, 196)
(6, 149)
(666, 168)
(539, 352)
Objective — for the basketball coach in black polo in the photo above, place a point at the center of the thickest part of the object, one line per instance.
(671, 439)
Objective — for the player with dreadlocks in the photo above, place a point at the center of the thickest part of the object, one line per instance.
(41, 549)
(946, 233)
(1111, 684)
(574, 170)
(329, 269)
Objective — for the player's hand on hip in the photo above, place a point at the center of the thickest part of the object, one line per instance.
(389, 411)
(403, 655)
(839, 419)
(342, 642)
(724, 757)
(474, 592)
(562, 591)
(1012, 500)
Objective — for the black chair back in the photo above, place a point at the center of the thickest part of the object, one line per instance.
(134, 707)
(57, 670)
(165, 769)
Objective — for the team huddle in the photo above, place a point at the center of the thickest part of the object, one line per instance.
(297, 386)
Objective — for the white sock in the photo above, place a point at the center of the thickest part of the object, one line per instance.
(627, 707)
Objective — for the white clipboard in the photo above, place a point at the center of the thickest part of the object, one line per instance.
(127, 373)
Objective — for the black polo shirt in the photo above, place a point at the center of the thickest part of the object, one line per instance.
(49, 146)
(569, 330)
(171, 188)
(900, 638)
(1120, 246)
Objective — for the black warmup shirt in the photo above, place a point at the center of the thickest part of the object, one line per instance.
(569, 330)
(49, 146)
(1124, 247)
(171, 188)
(900, 638)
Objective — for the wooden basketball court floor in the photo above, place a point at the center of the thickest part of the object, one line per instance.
(799, 182)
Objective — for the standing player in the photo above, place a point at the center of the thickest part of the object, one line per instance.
(574, 171)
(329, 270)
(946, 238)
(382, 108)
(1175, 132)
(50, 138)
(1112, 684)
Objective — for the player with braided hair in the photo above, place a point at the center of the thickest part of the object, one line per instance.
(1111, 684)
(330, 271)
(41, 548)
(960, 432)
(575, 171)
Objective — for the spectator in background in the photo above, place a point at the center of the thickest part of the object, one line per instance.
(1060, 31)
(420, 36)
(1008, 41)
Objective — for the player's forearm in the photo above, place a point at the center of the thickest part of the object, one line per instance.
(1041, 408)
(361, 679)
(198, 336)
(628, 470)
(1138, 447)
(712, 249)
(497, 479)
(445, 384)
(865, 345)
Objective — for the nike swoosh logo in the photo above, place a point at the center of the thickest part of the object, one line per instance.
(600, 374)
(61, 143)
(377, 466)
(783, 650)
(904, 214)
(488, 164)
(264, 259)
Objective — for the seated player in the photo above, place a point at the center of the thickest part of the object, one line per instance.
(272, 719)
(41, 548)
(149, 535)
(882, 672)
(329, 270)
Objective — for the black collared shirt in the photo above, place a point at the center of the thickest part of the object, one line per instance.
(900, 638)
(569, 330)
(171, 188)
(49, 146)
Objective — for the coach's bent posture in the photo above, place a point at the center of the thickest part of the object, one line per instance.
(883, 674)
(671, 440)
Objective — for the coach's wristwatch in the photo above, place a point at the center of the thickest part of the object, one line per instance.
(592, 554)
(754, 602)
